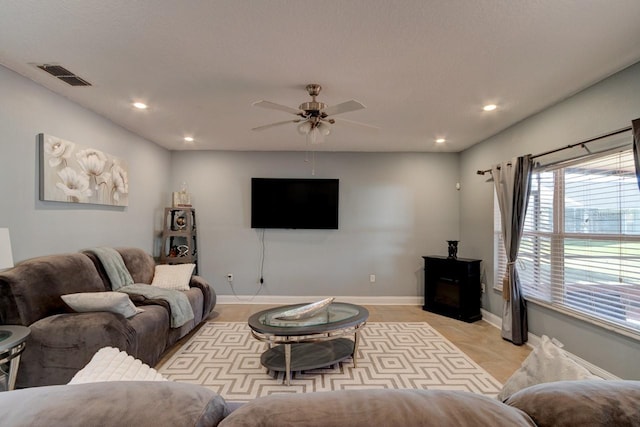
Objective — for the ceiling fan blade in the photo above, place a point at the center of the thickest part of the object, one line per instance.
(273, 106)
(351, 122)
(345, 107)
(276, 124)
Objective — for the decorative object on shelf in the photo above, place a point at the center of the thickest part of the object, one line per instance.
(75, 173)
(6, 256)
(183, 250)
(306, 311)
(181, 223)
(182, 198)
(453, 248)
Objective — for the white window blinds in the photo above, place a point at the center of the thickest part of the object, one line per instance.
(580, 250)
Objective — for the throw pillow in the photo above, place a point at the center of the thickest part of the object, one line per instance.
(111, 364)
(175, 277)
(115, 302)
(547, 363)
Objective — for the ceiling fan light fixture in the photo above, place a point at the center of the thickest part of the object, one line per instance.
(304, 128)
(324, 128)
(315, 136)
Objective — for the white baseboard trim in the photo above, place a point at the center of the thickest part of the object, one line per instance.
(491, 318)
(534, 341)
(282, 299)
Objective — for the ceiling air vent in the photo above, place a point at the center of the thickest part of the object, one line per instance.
(64, 75)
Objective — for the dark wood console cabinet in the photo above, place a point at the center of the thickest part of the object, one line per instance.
(452, 287)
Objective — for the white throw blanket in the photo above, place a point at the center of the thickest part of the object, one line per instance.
(111, 364)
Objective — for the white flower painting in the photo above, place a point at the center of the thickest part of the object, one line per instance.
(73, 173)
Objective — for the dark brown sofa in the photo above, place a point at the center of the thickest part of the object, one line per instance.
(62, 342)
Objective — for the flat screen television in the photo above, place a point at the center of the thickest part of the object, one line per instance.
(294, 203)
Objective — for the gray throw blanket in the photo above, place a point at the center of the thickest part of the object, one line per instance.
(181, 311)
(114, 266)
(121, 281)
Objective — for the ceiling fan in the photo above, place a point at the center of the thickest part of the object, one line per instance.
(315, 118)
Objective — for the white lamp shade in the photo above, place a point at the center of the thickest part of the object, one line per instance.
(6, 258)
(314, 136)
(324, 128)
(304, 127)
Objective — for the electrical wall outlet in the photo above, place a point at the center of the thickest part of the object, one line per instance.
(372, 278)
(229, 277)
(482, 288)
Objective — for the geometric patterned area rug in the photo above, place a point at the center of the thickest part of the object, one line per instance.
(224, 357)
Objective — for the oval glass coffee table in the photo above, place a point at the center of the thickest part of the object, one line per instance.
(314, 342)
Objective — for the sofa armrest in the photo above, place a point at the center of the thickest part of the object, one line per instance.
(207, 291)
(61, 345)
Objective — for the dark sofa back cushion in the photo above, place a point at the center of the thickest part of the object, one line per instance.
(581, 403)
(140, 264)
(366, 408)
(105, 404)
(31, 290)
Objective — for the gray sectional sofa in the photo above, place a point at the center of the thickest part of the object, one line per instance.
(63, 341)
(560, 404)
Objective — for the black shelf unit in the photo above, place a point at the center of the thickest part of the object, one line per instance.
(452, 287)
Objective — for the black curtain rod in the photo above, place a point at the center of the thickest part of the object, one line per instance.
(577, 144)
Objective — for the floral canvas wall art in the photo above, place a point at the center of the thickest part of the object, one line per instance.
(74, 173)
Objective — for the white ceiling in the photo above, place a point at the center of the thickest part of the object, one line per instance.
(423, 68)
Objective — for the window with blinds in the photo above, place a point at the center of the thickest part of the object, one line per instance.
(580, 252)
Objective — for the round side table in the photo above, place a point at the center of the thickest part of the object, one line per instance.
(12, 342)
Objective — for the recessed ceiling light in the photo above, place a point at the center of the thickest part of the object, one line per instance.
(140, 105)
(440, 140)
(489, 107)
(188, 139)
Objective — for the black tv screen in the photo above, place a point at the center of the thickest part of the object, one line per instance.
(294, 203)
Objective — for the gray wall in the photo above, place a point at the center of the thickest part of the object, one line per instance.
(606, 106)
(39, 228)
(394, 208)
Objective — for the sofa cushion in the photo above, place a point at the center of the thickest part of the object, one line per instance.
(129, 403)
(548, 362)
(139, 263)
(365, 408)
(581, 403)
(114, 302)
(175, 277)
(151, 330)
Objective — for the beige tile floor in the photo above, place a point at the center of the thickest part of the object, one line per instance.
(479, 340)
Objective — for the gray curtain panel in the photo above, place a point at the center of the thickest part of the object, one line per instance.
(512, 181)
(635, 126)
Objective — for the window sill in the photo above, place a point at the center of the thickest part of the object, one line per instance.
(618, 329)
